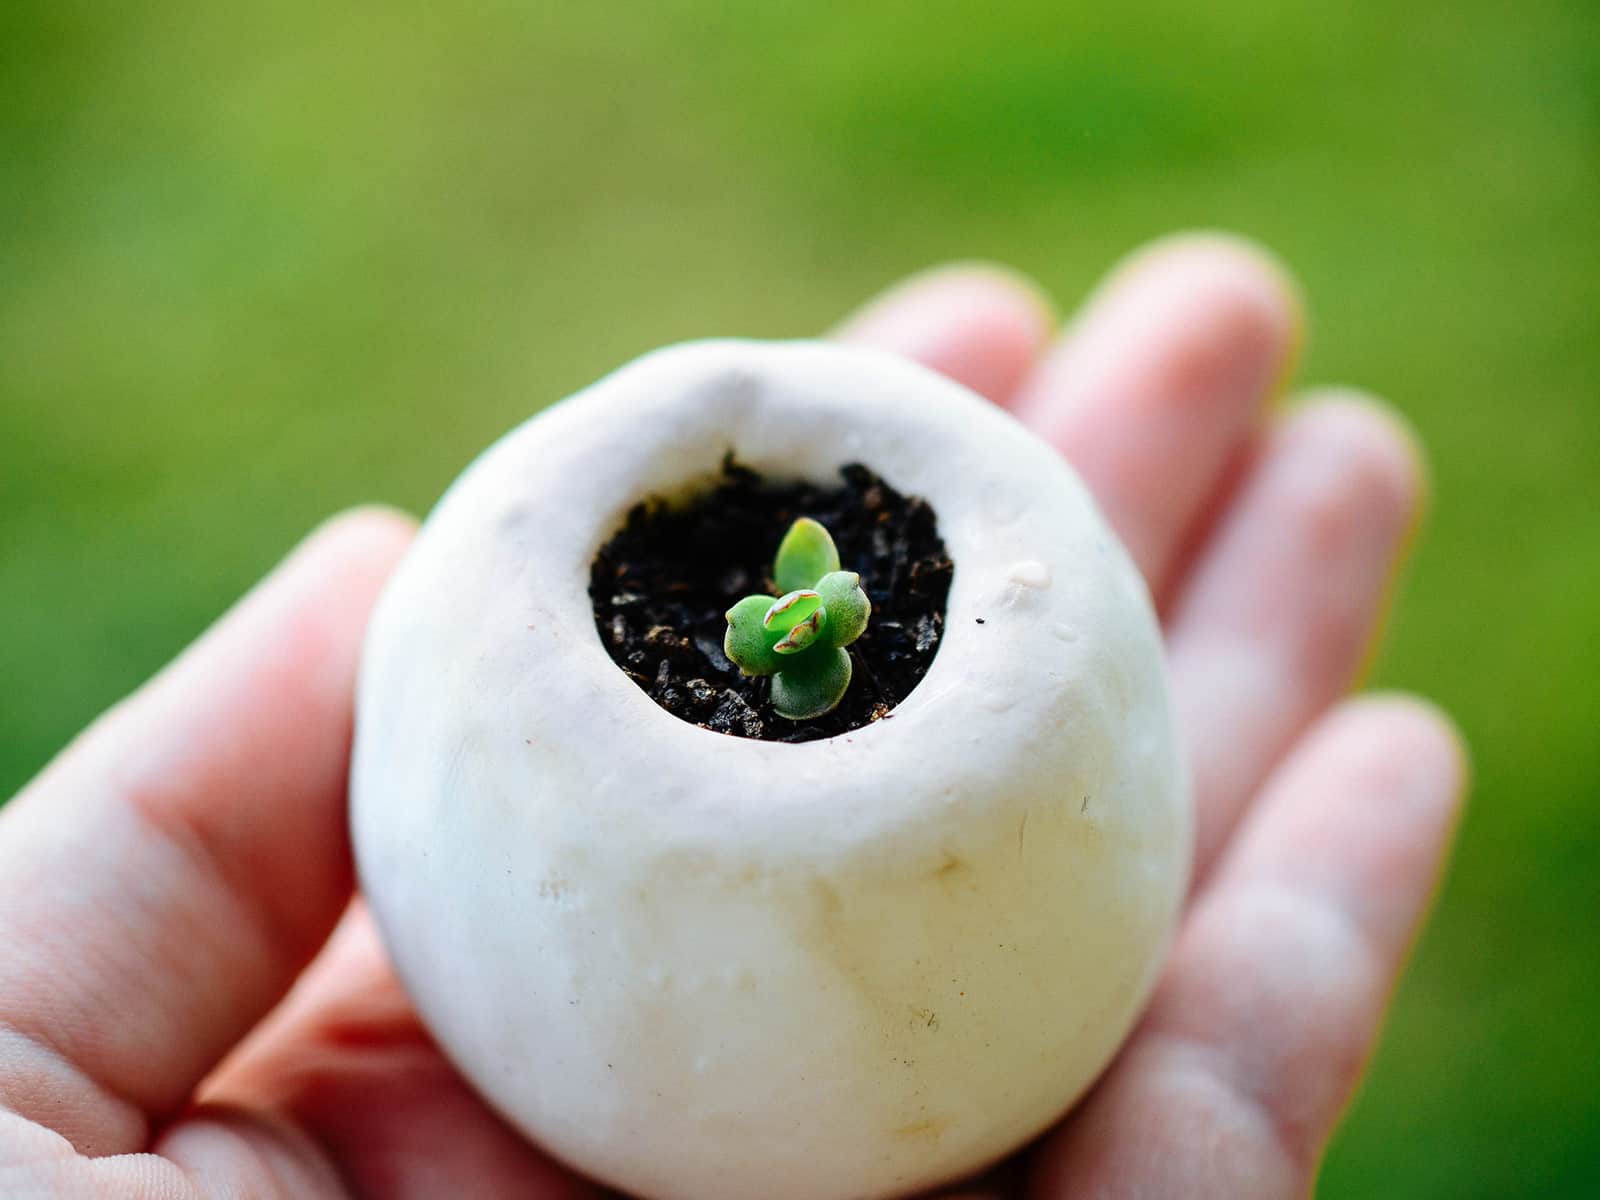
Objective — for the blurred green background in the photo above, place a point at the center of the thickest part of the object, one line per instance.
(260, 262)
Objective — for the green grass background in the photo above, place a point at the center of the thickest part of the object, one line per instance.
(260, 262)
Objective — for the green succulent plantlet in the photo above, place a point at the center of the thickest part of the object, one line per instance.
(800, 638)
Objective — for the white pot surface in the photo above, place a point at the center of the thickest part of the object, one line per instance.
(700, 967)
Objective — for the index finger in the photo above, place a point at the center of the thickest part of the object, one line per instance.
(167, 876)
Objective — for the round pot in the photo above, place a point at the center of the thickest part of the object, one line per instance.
(699, 967)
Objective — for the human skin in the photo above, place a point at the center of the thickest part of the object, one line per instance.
(168, 877)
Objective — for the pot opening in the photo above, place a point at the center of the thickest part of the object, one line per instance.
(661, 585)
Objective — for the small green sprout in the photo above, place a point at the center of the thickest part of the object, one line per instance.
(800, 638)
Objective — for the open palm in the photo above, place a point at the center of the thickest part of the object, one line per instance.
(165, 880)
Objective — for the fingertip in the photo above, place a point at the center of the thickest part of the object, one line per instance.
(1250, 298)
(1377, 437)
(1405, 729)
(344, 560)
(992, 290)
(978, 323)
(371, 529)
(1350, 468)
(1005, 286)
(1227, 260)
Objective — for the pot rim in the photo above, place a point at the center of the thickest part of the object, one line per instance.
(1066, 618)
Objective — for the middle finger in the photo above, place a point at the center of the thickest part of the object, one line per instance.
(1160, 382)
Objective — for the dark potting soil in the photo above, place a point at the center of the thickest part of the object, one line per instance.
(660, 588)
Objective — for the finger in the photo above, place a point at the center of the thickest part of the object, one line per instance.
(1157, 384)
(345, 1064)
(982, 326)
(1278, 983)
(168, 875)
(338, 1092)
(1278, 613)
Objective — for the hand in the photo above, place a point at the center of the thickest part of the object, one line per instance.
(166, 879)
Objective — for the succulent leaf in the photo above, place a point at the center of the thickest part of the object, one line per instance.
(788, 611)
(805, 555)
(803, 634)
(847, 606)
(813, 686)
(748, 643)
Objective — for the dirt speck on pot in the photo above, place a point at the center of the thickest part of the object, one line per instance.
(661, 585)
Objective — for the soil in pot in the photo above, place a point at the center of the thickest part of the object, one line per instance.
(661, 585)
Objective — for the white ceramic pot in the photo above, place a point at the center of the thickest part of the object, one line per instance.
(699, 967)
